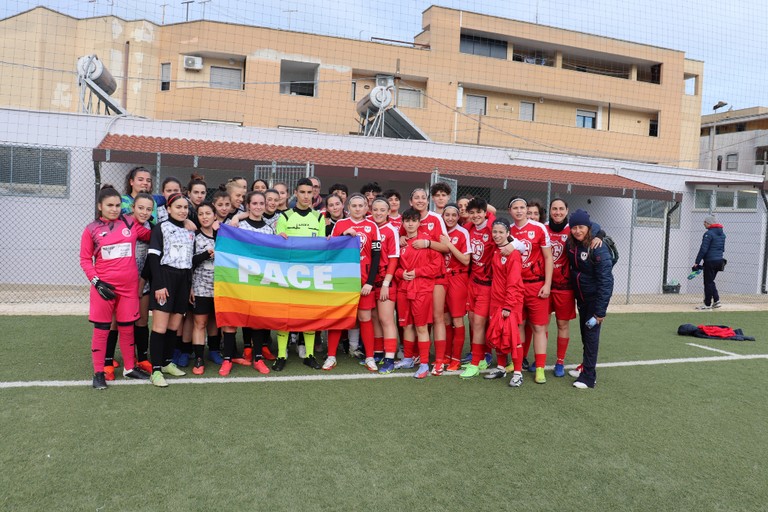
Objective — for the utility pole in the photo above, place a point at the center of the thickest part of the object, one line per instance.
(203, 2)
(187, 4)
(163, 20)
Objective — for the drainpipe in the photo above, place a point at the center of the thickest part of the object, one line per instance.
(125, 74)
(763, 283)
(667, 229)
(97, 187)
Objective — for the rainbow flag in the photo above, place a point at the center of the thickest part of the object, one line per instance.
(299, 284)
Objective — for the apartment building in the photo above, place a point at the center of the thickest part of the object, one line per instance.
(466, 78)
(735, 141)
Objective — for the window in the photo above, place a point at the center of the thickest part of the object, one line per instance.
(652, 213)
(354, 90)
(691, 84)
(476, 104)
(741, 127)
(29, 170)
(483, 46)
(586, 119)
(702, 199)
(732, 162)
(761, 155)
(407, 97)
(746, 200)
(165, 76)
(298, 78)
(724, 199)
(653, 128)
(226, 78)
(527, 110)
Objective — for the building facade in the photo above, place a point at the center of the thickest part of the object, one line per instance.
(465, 78)
(735, 141)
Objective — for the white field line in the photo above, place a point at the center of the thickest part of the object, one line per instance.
(712, 349)
(347, 376)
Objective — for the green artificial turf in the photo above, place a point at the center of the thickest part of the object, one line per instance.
(683, 436)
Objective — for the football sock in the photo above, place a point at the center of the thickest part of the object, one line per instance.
(478, 353)
(98, 348)
(156, 340)
(334, 337)
(282, 344)
(528, 339)
(424, 351)
(247, 337)
(409, 348)
(141, 340)
(440, 346)
(517, 356)
(448, 342)
(309, 342)
(127, 346)
(562, 348)
(378, 344)
(459, 333)
(168, 343)
(214, 342)
(366, 334)
(390, 345)
(199, 351)
(502, 359)
(541, 360)
(109, 355)
(354, 339)
(180, 346)
(228, 345)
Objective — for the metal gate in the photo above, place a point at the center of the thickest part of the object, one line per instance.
(454, 184)
(289, 174)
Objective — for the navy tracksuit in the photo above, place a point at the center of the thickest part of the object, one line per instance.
(592, 281)
(711, 252)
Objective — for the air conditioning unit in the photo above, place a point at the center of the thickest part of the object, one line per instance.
(385, 81)
(193, 63)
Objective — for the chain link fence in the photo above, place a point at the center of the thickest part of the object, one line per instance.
(47, 197)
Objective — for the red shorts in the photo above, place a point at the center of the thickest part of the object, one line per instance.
(392, 292)
(535, 309)
(125, 308)
(563, 304)
(416, 311)
(456, 292)
(367, 302)
(479, 299)
(441, 280)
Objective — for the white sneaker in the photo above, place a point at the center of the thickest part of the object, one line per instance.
(330, 363)
(302, 351)
(370, 364)
(357, 353)
(575, 373)
(716, 304)
(580, 385)
(517, 380)
(703, 307)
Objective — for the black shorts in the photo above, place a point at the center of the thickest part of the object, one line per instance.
(179, 284)
(203, 306)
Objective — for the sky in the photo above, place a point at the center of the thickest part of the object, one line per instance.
(729, 36)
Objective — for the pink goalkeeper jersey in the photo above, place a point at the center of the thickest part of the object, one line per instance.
(108, 251)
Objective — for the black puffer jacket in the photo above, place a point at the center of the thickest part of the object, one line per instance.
(591, 275)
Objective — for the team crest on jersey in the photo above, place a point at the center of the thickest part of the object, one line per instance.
(503, 260)
(455, 240)
(557, 250)
(485, 238)
(430, 226)
(363, 240)
(526, 252)
(103, 234)
(563, 237)
(531, 234)
(584, 256)
(367, 229)
(477, 250)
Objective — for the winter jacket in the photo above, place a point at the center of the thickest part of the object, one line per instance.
(712, 244)
(591, 275)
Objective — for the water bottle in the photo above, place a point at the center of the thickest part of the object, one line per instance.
(591, 323)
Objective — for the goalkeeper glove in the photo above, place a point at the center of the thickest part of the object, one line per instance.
(106, 290)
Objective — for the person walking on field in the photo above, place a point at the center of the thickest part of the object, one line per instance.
(711, 254)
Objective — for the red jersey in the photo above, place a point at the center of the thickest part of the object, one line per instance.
(397, 222)
(390, 249)
(561, 272)
(432, 225)
(490, 217)
(368, 233)
(108, 251)
(482, 247)
(460, 239)
(535, 236)
(507, 289)
(427, 263)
